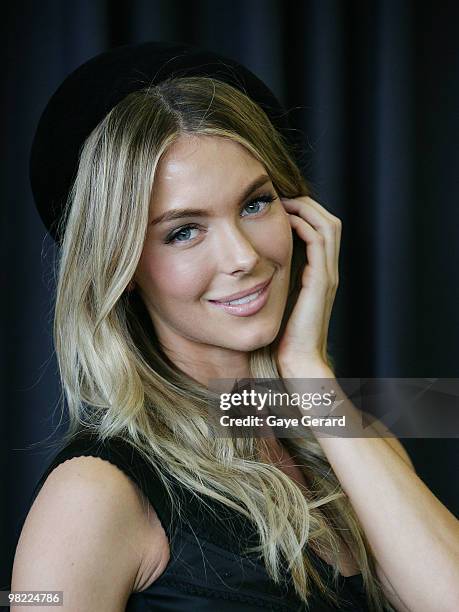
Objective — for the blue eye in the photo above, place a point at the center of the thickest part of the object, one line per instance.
(266, 199)
(174, 237)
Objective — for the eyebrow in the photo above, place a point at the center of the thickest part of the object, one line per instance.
(179, 213)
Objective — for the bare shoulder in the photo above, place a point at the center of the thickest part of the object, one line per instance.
(97, 538)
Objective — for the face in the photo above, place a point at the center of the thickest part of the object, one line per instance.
(239, 239)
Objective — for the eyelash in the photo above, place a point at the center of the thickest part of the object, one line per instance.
(268, 199)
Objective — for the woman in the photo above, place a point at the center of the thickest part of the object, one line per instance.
(172, 518)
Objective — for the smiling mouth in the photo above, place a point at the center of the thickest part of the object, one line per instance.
(247, 305)
(243, 297)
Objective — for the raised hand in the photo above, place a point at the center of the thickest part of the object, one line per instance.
(303, 345)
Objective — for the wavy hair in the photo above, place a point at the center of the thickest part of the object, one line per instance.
(117, 380)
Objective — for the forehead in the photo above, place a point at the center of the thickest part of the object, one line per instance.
(199, 166)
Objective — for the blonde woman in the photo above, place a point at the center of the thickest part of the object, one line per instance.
(166, 176)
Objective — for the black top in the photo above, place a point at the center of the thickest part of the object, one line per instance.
(208, 568)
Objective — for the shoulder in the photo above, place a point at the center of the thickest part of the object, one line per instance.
(96, 535)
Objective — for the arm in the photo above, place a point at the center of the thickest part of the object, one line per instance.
(84, 535)
(414, 537)
(390, 438)
(396, 445)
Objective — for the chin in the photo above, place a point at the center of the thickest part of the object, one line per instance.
(256, 340)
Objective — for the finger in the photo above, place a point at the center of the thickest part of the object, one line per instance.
(337, 223)
(315, 248)
(320, 221)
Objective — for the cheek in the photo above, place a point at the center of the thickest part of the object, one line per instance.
(173, 277)
(280, 238)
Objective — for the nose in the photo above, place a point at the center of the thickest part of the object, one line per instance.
(235, 251)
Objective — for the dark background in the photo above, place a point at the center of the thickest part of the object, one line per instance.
(373, 87)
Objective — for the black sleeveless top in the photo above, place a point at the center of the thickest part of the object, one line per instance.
(208, 569)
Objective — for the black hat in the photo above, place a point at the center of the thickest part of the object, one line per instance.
(92, 90)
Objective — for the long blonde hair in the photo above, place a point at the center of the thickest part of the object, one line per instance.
(117, 380)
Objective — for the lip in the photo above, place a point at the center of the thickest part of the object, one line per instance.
(241, 294)
(245, 310)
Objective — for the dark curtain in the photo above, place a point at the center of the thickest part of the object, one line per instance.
(373, 92)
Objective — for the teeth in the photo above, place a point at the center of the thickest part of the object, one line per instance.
(245, 300)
